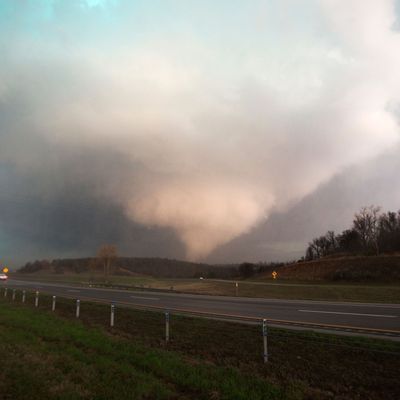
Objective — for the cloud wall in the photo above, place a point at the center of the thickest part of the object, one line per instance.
(206, 132)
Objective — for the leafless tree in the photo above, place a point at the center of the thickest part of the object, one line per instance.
(322, 246)
(106, 255)
(366, 224)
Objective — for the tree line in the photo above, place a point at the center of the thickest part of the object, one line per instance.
(107, 262)
(372, 233)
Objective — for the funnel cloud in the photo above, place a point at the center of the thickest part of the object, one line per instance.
(191, 121)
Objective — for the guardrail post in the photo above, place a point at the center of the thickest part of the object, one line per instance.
(23, 296)
(78, 306)
(236, 289)
(37, 298)
(112, 315)
(265, 337)
(167, 326)
(5, 292)
(53, 306)
(13, 295)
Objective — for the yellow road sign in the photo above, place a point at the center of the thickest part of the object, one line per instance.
(5, 270)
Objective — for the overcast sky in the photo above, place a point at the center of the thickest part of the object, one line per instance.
(218, 131)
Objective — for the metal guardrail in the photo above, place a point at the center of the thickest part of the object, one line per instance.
(244, 318)
(262, 322)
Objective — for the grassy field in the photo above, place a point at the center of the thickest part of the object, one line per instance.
(61, 359)
(379, 293)
(52, 355)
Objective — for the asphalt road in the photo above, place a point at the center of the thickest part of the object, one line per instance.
(361, 317)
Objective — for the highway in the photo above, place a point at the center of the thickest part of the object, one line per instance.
(367, 318)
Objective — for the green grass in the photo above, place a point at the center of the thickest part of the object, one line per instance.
(45, 357)
(204, 359)
(379, 293)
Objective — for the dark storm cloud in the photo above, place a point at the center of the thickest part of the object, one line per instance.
(285, 236)
(59, 211)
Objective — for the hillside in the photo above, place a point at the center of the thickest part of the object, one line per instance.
(383, 268)
(157, 267)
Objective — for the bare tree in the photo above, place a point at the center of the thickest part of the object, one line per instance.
(331, 241)
(366, 224)
(322, 246)
(106, 255)
(389, 231)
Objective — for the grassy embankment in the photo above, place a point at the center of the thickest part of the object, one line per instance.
(47, 356)
(362, 292)
(383, 268)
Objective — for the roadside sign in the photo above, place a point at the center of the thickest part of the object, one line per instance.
(274, 274)
(5, 270)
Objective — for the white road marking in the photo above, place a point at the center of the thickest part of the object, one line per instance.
(144, 298)
(346, 313)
